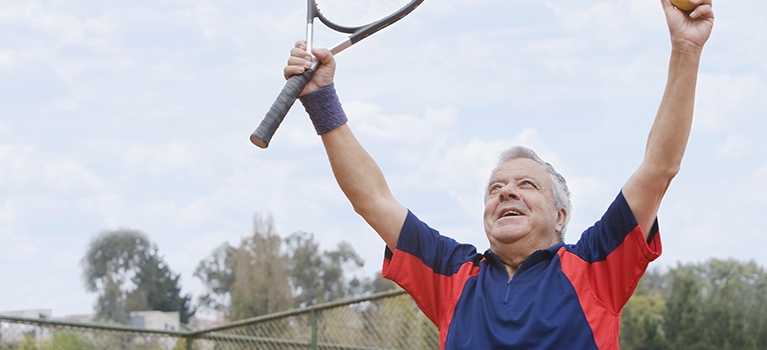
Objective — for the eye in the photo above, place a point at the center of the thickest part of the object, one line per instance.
(528, 184)
(494, 188)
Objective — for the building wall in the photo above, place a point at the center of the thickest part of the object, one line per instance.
(166, 321)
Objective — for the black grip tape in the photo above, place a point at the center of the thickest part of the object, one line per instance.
(280, 108)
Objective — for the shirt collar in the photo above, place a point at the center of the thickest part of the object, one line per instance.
(536, 257)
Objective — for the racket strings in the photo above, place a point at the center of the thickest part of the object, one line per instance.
(358, 12)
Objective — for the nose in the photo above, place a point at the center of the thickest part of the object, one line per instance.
(508, 193)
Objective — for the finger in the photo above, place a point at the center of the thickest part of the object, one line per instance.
(297, 52)
(290, 71)
(299, 62)
(301, 44)
(299, 57)
(669, 6)
(702, 11)
(701, 2)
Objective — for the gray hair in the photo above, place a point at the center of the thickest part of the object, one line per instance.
(559, 189)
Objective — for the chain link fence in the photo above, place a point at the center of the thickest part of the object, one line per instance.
(33, 334)
(387, 320)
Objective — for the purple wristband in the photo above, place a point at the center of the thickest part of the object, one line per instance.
(324, 109)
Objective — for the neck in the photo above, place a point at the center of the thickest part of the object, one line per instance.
(513, 255)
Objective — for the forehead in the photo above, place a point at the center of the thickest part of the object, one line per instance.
(520, 168)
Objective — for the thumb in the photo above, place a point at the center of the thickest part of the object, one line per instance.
(324, 55)
(326, 70)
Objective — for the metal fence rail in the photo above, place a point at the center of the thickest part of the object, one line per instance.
(388, 320)
(34, 334)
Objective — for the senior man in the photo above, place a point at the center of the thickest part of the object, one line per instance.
(529, 290)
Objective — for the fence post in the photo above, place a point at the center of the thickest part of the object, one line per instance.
(189, 341)
(313, 316)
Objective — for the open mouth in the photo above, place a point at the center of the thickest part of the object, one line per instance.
(511, 213)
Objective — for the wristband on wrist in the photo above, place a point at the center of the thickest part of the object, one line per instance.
(324, 109)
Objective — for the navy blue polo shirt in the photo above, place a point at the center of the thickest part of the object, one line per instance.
(563, 297)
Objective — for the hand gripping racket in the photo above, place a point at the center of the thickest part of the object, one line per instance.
(360, 18)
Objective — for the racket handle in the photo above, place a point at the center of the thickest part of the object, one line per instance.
(280, 108)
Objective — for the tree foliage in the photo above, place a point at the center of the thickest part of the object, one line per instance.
(642, 319)
(129, 274)
(266, 273)
(320, 277)
(260, 284)
(719, 304)
(217, 273)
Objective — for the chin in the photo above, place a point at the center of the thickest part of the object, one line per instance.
(505, 237)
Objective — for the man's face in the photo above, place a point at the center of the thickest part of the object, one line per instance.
(519, 207)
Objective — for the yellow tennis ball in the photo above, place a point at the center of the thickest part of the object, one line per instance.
(683, 5)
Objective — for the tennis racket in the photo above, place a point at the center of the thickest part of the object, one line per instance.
(360, 18)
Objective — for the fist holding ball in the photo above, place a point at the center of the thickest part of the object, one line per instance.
(684, 5)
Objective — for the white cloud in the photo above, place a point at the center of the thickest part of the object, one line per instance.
(158, 158)
(69, 175)
(6, 60)
(606, 18)
(20, 252)
(118, 63)
(728, 101)
(165, 71)
(15, 10)
(75, 98)
(68, 29)
(14, 159)
(402, 130)
(735, 146)
(755, 190)
(209, 20)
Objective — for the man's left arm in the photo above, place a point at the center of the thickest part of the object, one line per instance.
(671, 129)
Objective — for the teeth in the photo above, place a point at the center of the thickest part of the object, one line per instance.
(511, 213)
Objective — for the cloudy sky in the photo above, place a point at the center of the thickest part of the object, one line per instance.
(136, 114)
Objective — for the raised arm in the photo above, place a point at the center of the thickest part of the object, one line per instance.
(356, 172)
(671, 129)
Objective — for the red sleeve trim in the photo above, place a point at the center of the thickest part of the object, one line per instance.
(435, 294)
(604, 287)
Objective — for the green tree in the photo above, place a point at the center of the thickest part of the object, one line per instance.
(642, 318)
(110, 304)
(642, 322)
(719, 304)
(125, 268)
(158, 288)
(683, 315)
(111, 261)
(318, 277)
(217, 274)
(265, 272)
(733, 308)
(260, 284)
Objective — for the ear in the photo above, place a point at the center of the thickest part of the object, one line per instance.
(561, 219)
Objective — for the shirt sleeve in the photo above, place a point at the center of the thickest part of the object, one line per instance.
(431, 267)
(611, 256)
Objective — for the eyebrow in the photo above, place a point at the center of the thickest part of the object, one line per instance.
(524, 176)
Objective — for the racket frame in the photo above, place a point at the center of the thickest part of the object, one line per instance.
(263, 134)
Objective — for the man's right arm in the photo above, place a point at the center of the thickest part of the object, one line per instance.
(364, 184)
(356, 172)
